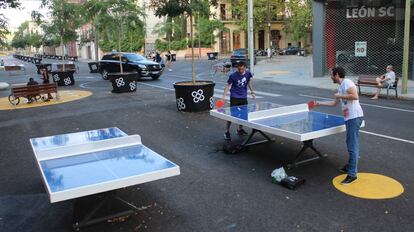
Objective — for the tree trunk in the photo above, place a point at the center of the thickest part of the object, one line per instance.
(119, 47)
(63, 53)
(96, 45)
(192, 50)
(199, 35)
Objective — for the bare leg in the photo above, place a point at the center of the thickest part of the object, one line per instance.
(379, 84)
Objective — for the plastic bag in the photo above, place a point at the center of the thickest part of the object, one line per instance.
(278, 175)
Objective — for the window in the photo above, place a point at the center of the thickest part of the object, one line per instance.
(223, 11)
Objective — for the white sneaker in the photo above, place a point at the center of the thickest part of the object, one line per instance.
(170, 70)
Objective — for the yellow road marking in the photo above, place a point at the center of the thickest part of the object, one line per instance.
(65, 96)
(370, 186)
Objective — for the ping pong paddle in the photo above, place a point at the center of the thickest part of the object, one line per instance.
(311, 104)
(220, 103)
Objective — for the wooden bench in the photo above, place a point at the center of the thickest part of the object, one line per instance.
(31, 91)
(370, 81)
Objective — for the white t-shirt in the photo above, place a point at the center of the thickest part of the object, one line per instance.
(391, 75)
(350, 108)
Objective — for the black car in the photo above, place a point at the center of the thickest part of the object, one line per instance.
(290, 51)
(131, 62)
(240, 55)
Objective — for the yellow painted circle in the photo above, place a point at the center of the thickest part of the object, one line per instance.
(276, 72)
(370, 186)
(64, 96)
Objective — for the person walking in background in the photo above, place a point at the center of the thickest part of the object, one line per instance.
(351, 109)
(238, 83)
(168, 57)
(385, 80)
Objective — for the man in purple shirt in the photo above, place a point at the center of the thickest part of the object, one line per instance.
(238, 83)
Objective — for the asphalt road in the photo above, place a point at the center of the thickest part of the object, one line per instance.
(215, 191)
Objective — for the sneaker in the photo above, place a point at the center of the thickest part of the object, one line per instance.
(241, 132)
(344, 169)
(349, 180)
(227, 136)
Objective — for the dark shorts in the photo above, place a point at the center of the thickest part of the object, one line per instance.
(238, 101)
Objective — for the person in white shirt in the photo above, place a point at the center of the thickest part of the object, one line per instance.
(385, 80)
(353, 115)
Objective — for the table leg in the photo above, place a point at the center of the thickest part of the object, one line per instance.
(94, 209)
(254, 131)
(306, 144)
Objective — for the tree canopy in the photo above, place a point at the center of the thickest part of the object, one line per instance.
(3, 21)
(119, 23)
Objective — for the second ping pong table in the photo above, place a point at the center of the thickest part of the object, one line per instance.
(294, 122)
(97, 162)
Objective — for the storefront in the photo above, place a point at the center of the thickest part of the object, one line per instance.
(363, 36)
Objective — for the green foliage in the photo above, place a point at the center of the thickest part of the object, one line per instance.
(65, 19)
(174, 45)
(300, 21)
(174, 8)
(239, 11)
(3, 21)
(117, 22)
(207, 28)
(21, 38)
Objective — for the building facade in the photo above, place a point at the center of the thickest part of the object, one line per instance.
(271, 35)
(363, 36)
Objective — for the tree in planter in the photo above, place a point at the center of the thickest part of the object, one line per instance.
(65, 20)
(191, 96)
(92, 11)
(122, 11)
(175, 8)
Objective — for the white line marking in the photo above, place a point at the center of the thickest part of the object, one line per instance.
(387, 137)
(365, 104)
(157, 86)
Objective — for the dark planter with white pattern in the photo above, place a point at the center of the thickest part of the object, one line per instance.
(123, 82)
(196, 97)
(63, 78)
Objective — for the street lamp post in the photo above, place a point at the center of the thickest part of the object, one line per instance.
(250, 37)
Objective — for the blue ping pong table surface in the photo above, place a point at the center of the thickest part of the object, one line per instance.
(300, 123)
(103, 166)
(76, 138)
(88, 169)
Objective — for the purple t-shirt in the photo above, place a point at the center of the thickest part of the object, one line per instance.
(239, 83)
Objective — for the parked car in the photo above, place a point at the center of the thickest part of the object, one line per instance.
(240, 55)
(131, 62)
(290, 51)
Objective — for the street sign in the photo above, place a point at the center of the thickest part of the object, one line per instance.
(360, 49)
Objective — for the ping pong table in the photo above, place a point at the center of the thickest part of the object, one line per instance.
(95, 162)
(294, 122)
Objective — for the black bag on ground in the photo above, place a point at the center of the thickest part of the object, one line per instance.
(292, 182)
(231, 148)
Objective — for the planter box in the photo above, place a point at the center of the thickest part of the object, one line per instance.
(93, 67)
(212, 55)
(123, 82)
(194, 98)
(47, 66)
(63, 78)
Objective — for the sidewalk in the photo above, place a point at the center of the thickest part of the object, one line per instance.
(297, 70)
